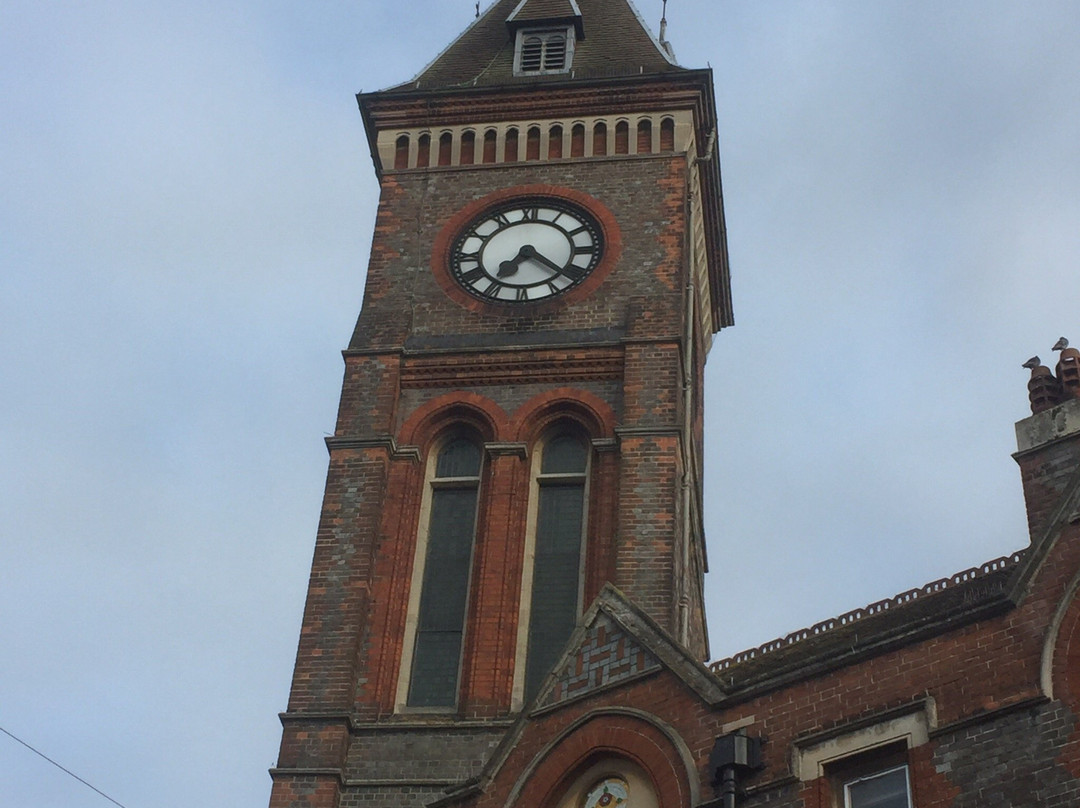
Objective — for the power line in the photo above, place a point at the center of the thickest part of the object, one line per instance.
(61, 768)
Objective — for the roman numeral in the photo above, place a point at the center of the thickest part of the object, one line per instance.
(530, 214)
(522, 294)
(500, 219)
(573, 272)
(589, 250)
(473, 275)
(492, 289)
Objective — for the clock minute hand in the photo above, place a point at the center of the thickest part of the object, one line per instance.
(540, 257)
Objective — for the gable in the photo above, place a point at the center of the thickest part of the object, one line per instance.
(607, 655)
(616, 43)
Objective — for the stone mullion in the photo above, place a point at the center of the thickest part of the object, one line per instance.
(496, 586)
(603, 522)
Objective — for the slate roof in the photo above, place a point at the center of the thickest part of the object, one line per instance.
(533, 10)
(616, 43)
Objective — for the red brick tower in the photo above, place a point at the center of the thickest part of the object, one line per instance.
(520, 419)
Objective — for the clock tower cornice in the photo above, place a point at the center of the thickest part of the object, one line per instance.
(688, 90)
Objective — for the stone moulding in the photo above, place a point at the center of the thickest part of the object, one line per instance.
(471, 369)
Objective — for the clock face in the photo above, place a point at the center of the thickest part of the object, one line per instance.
(526, 250)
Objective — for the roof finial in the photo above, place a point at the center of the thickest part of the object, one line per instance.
(478, 7)
(663, 32)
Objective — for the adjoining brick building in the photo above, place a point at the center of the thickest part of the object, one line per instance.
(505, 605)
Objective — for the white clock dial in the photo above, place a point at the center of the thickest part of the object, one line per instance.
(526, 250)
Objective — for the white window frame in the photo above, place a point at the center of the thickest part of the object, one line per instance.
(536, 481)
(872, 775)
(416, 584)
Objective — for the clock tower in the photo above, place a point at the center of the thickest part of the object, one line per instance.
(518, 442)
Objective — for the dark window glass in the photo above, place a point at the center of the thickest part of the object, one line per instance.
(557, 563)
(445, 588)
(882, 790)
(446, 146)
(563, 455)
(423, 151)
(490, 138)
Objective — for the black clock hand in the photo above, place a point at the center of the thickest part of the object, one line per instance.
(511, 266)
(541, 258)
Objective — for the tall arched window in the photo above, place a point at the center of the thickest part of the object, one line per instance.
(577, 140)
(490, 142)
(423, 151)
(644, 136)
(447, 562)
(599, 139)
(468, 147)
(667, 135)
(556, 573)
(532, 143)
(510, 146)
(622, 137)
(555, 142)
(446, 148)
(401, 152)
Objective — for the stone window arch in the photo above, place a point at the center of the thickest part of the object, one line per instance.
(622, 137)
(468, 148)
(491, 138)
(401, 152)
(599, 147)
(577, 140)
(667, 135)
(510, 149)
(553, 577)
(644, 136)
(436, 619)
(446, 148)
(532, 143)
(423, 151)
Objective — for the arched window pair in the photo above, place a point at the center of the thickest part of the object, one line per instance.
(552, 582)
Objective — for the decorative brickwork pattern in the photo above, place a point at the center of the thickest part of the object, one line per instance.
(606, 656)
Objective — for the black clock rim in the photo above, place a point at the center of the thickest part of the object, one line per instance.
(559, 203)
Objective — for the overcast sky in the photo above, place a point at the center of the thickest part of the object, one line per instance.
(184, 228)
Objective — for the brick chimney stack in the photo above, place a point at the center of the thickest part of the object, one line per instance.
(1068, 372)
(1048, 442)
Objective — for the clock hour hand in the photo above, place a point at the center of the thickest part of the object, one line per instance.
(511, 266)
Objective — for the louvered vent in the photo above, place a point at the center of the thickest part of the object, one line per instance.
(544, 51)
(555, 53)
(531, 54)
